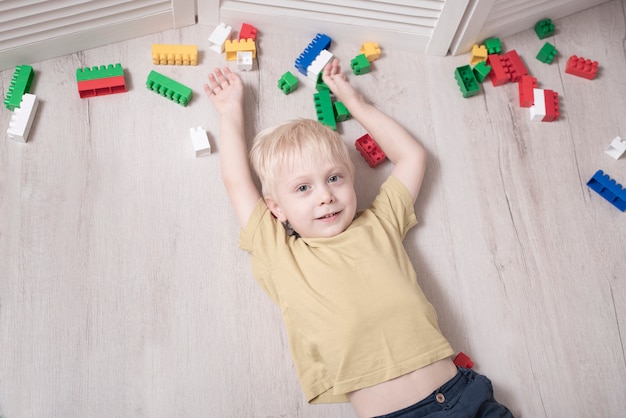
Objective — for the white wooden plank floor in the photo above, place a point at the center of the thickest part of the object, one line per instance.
(123, 292)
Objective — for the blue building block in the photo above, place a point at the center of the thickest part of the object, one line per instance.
(608, 189)
(319, 43)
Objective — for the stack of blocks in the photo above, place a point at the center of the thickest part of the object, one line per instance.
(242, 50)
(100, 81)
(23, 104)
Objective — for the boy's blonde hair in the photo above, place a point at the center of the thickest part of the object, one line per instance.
(291, 142)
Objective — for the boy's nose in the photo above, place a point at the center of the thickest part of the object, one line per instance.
(326, 196)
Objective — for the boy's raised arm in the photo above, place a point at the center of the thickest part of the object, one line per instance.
(407, 154)
(225, 90)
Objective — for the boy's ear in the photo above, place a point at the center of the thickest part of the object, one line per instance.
(275, 209)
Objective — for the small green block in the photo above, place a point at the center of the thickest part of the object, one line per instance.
(544, 28)
(481, 71)
(169, 88)
(325, 109)
(20, 84)
(493, 45)
(341, 112)
(360, 65)
(466, 80)
(319, 84)
(547, 53)
(288, 83)
(104, 71)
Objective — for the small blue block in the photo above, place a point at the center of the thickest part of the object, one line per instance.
(609, 189)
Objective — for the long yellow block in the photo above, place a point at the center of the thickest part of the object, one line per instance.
(164, 54)
(234, 46)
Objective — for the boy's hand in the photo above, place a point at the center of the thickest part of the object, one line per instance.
(339, 85)
(225, 90)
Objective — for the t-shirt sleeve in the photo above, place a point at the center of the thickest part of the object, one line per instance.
(395, 205)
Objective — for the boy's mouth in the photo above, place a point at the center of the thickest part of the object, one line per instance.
(329, 215)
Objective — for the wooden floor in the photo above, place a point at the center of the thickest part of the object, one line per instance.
(123, 292)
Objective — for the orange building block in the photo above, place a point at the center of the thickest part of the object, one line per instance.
(163, 54)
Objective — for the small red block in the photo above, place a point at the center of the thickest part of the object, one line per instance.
(463, 360)
(247, 32)
(526, 86)
(581, 67)
(370, 150)
(552, 106)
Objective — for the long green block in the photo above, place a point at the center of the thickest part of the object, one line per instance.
(325, 109)
(169, 88)
(20, 84)
(104, 71)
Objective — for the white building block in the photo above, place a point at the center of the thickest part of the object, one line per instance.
(244, 60)
(318, 64)
(538, 109)
(200, 141)
(617, 148)
(22, 118)
(218, 37)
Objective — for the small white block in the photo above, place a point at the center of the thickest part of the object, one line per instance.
(22, 118)
(538, 109)
(318, 64)
(244, 60)
(200, 141)
(617, 148)
(218, 37)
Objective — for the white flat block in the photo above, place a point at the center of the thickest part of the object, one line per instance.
(22, 118)
(617, 148)
(318, 64)
(538, 109)
(244, 60)
(218, 37)
(200, 141)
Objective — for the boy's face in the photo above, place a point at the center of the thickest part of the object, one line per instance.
(319, 201)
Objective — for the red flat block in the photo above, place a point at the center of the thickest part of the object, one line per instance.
(247, 32)
(500, 72)
(526, 86)
(581, 67)
(552, 106)
(370, 150)
(516, 66)
(101, 86)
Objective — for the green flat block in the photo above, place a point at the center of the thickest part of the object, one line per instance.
(94, 73)
(20, 84)
(324, 109)
(169, 88)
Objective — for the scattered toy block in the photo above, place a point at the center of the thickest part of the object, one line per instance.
(103, 71)
(165, 54)
(318, 64)
(320, 85)
(515, 64)
(169, 88)
(232, 47)
(538, 108)
(481, 71)
(478, 54)
(341, 112)
(466, 80)
(500, 71)
(371, 51)
(493, 45)
(20, 85)
(581, 67)
(547, 53)
(200, 141)
(245, 62)
(544, 28)
(463, 360)
(22, 118)
(370, 150)
(609, 189)
(360, 65)
(552, 106)
(101, 86)
(325, 109)
(288, 83)
(526, 86)
(312, 50)
(616, 148)
(247, 31)
(219, 37)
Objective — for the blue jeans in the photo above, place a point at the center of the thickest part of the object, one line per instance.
(468, 394)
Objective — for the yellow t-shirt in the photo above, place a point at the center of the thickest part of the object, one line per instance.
(354, 312)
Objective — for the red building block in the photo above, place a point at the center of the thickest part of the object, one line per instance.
(500, 72)
(582, 67)
(526, 86)
(516, 67)
(552, 106)
(101, 86)
(247, 32)
(370, 150)
(463, 360)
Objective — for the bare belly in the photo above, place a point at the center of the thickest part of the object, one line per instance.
(401, 392)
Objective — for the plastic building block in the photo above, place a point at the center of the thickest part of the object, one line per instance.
(101, 86)
(232, 47)
(219, 37)
(609, 189)
(526, 86)
(371, 51)
(312, 50)
(515, 64)
(370, 150)
(544, 28)
(481, 71)
(200, 141)
(538, 109)
(20, 84)
(247, 31)
(320, 85)
(552, 106)
(617, 148)
(245, 61)
(466, 80)
(22, 118)
(169, 88)
(341, 112)
(500, 71)
(325, 109)
(493, 45)
(360, 65)
(288, 83)
(547, 53)
(164, 54)
(463, 360)
(314, 70)
(94, 73)
(581, 67)
(479, 54)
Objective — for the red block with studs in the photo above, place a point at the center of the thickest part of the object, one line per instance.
(516, 67)
(526, 86)
(370, 150)
(500, 71)
(552, 106)
(463, 360)
(581, 67)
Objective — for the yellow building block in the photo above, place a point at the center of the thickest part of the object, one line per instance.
(174, 54)
(479, 54)
(371, 51)
(233, 46)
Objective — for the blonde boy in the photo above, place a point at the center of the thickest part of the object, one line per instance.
(359, 326)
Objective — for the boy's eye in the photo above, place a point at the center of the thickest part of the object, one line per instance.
(303, 188)
(333, 179)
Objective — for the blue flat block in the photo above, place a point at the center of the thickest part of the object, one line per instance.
(319, 43)
(609, 189)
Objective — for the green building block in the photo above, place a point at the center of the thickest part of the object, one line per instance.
(288, 82)
(325, 109)
(544, 28)
(104, 71)
(341, 112)
(319, 84)
(481, 71)
(466, 80)
(360, 65)
(169, 88)
(493, 45)
(547, 53)
(20, 84)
